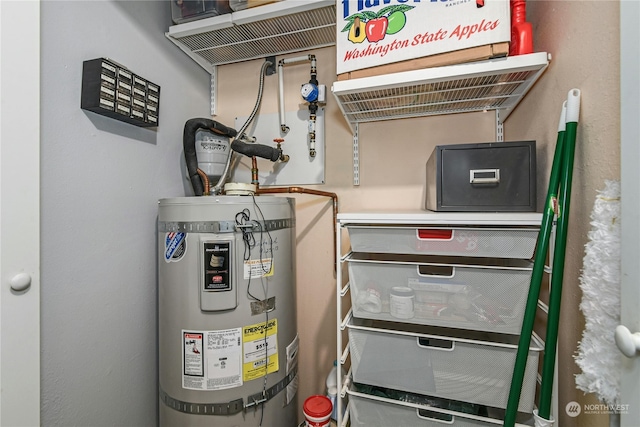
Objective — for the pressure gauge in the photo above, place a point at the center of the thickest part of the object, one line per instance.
(309, 92)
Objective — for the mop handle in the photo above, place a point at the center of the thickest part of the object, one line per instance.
(555, 295)
(542, 249)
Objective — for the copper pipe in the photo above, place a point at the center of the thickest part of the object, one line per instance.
(205, 181)
(254, 171)
(302, 190)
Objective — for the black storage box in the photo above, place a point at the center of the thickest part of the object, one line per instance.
(111, 90)
(485, 177)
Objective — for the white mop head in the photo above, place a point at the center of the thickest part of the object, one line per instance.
(598, 356)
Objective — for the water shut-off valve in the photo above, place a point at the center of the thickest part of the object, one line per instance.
(311, 92)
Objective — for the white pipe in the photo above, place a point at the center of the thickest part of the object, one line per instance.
(283, 127)
(296, 59)
(281, 114)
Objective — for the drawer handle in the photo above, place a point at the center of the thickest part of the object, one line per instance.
(436, 271)
(484, 176)
(436, 344)
(438, 417)
(435, 234)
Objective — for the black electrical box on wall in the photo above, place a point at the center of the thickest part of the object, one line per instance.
(112, 90)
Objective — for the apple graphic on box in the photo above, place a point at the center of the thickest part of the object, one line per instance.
(376, 28)
(373, 26)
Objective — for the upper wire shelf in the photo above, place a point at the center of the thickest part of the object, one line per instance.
(495, 84)
(269, 30)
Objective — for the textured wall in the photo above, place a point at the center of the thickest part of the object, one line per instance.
(584, 40)
(584, 43)
(101, 180)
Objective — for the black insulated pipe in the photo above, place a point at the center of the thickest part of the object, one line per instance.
(257, 150)
(189, 144)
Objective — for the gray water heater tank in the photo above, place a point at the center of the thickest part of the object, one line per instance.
(228, 340)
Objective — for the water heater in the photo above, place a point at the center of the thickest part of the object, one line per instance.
(228, 340)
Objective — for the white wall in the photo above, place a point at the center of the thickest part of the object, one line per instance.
(584, 39)
(101, 180)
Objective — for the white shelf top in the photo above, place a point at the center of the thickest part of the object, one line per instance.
(495, 84)
(424, 217)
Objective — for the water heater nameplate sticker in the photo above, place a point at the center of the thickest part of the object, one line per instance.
(212, 360)
(260, 350)
(217, 271)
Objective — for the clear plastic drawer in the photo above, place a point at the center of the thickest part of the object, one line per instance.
(513, 242)
(369, 410)
(477, 294)
(469, 367)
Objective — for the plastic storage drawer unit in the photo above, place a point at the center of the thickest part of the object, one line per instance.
(474, 368)
(483, 294)
(372, 410)
(494, 242)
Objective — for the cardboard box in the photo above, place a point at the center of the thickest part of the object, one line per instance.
(479, 53)
(410, 34)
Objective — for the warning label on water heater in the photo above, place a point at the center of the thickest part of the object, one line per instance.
(212, 360)
(256, 268)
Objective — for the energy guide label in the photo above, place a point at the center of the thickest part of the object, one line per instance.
(260, 349)
(212, 360)
(255, 268)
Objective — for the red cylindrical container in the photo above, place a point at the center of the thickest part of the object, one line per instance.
(521, 30)
(317, 411)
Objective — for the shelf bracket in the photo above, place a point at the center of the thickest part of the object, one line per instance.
(214, 89)
(499, 128)
(356, 157)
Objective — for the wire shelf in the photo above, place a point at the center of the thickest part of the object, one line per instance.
(274, 29)
(292, 26)
(497, 84)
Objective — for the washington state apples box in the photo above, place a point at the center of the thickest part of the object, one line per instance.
(381, 36)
